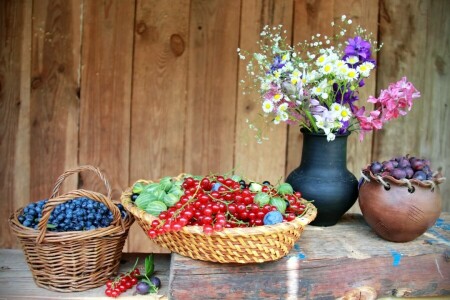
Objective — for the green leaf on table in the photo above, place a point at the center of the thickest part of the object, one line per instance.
(149, 265)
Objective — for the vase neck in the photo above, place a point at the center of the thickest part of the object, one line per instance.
(317, 150)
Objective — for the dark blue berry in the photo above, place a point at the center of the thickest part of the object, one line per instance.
(134, 197)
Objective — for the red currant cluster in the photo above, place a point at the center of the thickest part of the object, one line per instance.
(216, 203)
(122, 283)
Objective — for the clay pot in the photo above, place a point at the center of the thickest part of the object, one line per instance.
(399, 210)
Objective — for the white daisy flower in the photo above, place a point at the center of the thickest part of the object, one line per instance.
(365, 68)
(267, 106)
(352, 60)
(321, 60)
(283, 107)
(283, 116)
(352, 74)
(277, 97)
(327, 68)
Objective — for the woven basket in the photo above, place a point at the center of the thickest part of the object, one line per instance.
(232, 245)
(73, 261)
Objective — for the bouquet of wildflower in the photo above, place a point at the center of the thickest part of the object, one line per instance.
(317, 85)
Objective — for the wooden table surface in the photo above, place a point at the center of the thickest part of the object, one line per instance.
(17, 283)
(324, 264)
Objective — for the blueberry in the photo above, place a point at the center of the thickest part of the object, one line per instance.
(92, 227)
(27, 223)
(134, 197)
(21, 218)
(266, 182)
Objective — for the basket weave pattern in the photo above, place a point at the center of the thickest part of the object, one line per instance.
(75, 260)
(232, 245)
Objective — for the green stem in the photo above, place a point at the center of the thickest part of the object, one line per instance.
(311, 119)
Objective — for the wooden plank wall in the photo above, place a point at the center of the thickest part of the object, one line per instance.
(148, 88)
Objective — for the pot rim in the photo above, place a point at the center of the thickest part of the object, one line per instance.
(367, 175)
(306, 131)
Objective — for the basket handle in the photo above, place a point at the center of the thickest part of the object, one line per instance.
(76, 170)
(55, 200)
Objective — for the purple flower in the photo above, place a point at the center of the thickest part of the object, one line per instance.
(344, 127)
(315, 107)
(349, 96)
(358, 47)
(277, 64)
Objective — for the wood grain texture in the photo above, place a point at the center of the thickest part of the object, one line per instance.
(212, 85)
(416, 45)
(159, 96)
(326, 263)
(15, 57)
(54, 104)
(265, 161)
(107, 58)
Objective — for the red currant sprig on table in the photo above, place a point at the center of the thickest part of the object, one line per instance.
(217, 202)
(122, 283)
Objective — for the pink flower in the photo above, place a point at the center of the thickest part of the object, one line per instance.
(396, 101)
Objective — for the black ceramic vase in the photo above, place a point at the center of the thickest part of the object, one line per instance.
(323, 177)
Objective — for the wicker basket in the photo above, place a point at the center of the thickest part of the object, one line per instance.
(232, 245)
(73, 261)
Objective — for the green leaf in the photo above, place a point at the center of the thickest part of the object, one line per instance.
(138, 187)
(149, 265)
(50, 226)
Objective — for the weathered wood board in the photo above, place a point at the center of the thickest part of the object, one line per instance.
(17, 283)
(326, 263)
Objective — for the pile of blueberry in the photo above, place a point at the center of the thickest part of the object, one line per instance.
(74, 215)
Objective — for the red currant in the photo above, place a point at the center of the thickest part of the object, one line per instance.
(114, 294)
(108, 292)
